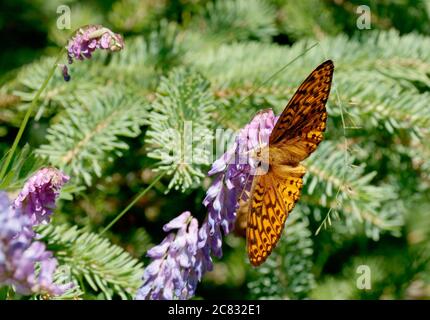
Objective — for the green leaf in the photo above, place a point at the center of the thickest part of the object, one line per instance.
(104, 266)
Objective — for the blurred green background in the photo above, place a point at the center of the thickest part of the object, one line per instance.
(382, 98)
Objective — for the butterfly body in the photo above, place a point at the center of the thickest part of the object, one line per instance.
(277, 179)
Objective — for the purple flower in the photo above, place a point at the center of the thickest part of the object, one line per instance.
(180, 260)
(65, 72)
(178, 263)
(233, 173)
(25, 264)
(37, 198)
(90, 38)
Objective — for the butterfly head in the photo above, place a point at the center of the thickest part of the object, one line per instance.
(259, 160)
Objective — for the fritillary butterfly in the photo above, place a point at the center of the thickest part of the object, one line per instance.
(295, 136)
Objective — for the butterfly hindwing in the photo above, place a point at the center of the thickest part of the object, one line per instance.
(264, 220)
(273, 198)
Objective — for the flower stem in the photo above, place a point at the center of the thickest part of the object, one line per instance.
(132, 203)
(27, 116)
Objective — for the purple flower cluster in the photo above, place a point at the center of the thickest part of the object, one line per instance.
(87, 40)
(90, 38)
(19, 255)
(181, 259)
(177, 264)
(37, 198)
(233, 179)
(24, 262)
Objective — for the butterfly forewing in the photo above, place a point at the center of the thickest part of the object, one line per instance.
(303, 120)
(295, 136)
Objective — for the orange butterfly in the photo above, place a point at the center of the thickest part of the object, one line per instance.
(275, 191)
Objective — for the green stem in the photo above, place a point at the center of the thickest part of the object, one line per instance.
(27, 116)
(132, 203)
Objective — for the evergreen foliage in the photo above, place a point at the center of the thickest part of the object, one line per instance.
(190, 68)
(179, 127)
(288, 271)
(82, 140)
(93, 261)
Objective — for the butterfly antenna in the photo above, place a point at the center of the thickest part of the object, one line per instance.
(278, 72)
(273, 76)
(327, 218)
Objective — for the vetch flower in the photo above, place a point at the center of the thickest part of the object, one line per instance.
(25, 263)
(180, 260)
(178, 263)
(37, 198)
(44, 282)
(88, 39)
(65, 72)
(232, 182)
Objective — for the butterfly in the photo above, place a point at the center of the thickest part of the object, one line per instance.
(275, 191)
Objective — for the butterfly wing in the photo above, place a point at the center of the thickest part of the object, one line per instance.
(296, 135)
(300, 127)
(273, 198)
